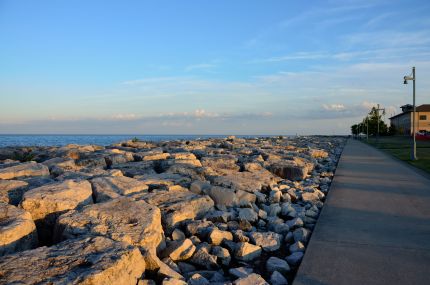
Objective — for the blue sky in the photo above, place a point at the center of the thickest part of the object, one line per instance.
(207, 67)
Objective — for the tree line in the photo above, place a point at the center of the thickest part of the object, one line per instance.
(370, 123)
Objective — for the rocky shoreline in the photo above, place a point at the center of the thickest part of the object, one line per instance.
(213, 211)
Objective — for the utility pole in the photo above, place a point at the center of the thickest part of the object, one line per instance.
(377, 115)
(414, 144)
(367, 124)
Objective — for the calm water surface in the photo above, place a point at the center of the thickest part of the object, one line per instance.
(61, 140)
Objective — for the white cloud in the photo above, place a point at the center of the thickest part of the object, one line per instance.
(334, 107)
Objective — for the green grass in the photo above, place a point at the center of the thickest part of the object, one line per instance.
(400, 147)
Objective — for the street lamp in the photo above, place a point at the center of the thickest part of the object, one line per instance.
(414, 146)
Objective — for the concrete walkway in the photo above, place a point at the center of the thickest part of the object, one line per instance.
(375, 225)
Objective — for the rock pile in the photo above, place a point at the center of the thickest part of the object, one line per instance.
(221, 211)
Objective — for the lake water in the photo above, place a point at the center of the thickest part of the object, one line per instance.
(61, 140)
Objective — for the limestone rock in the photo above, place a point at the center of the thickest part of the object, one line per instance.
(17, 230)
(93, 260)
(132, 169)
(216, 237)
(289, 170)
(252, 279)
(47, 202)
(222, 196)
(248, 214)
(177, 206)
(222, 254)
(276, 264)
(278, 279)
(11, 191)
(123, 219)
(202, 258)
(180, 250)
(246, 251)
(106, 188)
(269, 241)
(297, 247)
(295, 258)
(25, 169)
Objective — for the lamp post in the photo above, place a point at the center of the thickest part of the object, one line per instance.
(377, 115)
(414, 144)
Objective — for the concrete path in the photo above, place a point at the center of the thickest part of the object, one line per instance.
(375, 225)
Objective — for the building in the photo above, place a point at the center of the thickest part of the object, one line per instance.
(403, 121)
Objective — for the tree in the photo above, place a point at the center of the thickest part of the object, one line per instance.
(354, 129)
(371, 123)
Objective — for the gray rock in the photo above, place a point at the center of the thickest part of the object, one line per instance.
(248, 214)
(216, 237)
(301, 234)
(297, 246)
(240, 272)
(11, 191)
(179, 250)
(247, 252)
(222, 254)
(276, 264)
(252, 279)
(106, 188)
(269, 241)
(295, 258)
(278, 279)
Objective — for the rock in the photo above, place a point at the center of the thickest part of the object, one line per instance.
(199, 186)
(132, 169)
(318, 153)
(221, 164)
(173, 281)
(47, 202)
(123, 219)
(202, 258)
(197, 279)
(302, 235)
(177, 235)
(180, 250)
(216, 237)
(222, 254)
(252, 279)
(106, 188)
(289, 170)
(297, 246)
(17, 230)
(177, 206)
(11, 191)
(186, 267)
(240, 236)
(269, 241)
(240, 272)
(199, 228)
(146, 282)
(295, 258)
(92, 260)
(310, 197)
(295, 223)
(245, 181)
(248, 214)
(278, 279)
(25, 169)
(276, 264)
(246, 251)
(222, 196)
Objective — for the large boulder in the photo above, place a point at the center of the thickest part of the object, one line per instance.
(111, 187)
(132, 169)
(177, 206)
(17, 230)
(26, 169)
(289, 170)
(245, 181)
(122, 219)
(91, 260)
(47, 202)
(11, 191)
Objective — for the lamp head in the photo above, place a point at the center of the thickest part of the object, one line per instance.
(405, 80)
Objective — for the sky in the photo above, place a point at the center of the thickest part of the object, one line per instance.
(208, 67)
